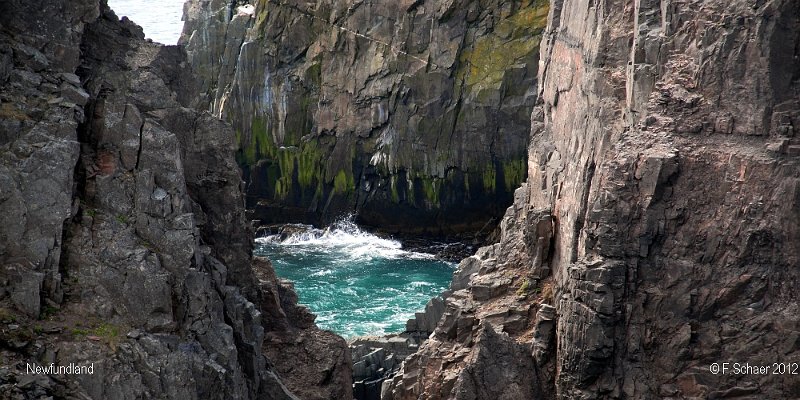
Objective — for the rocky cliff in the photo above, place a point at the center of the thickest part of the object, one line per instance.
(658, 231)
(123, 238)
(414, 114)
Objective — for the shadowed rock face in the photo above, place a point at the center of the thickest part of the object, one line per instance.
(413, 114)
(123, 237)
(658, 229)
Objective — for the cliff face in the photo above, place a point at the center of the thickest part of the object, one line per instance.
(658, 229)
(414, 114)
(657, 232)
(123, 238)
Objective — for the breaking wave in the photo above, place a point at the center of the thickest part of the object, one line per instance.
(344, 237)
(356, 282)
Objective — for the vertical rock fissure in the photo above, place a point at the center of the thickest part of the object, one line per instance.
(580, 221)
(141, 145)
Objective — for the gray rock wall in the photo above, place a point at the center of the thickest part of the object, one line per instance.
(414, 115)
(41, 107)
(123, 241)
(664, 162)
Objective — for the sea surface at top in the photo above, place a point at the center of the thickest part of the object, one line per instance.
(160, 19)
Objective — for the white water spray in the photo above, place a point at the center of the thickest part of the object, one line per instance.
(345, 237)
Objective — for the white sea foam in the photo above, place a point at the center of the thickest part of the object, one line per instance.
(356, 282)
(346, 237)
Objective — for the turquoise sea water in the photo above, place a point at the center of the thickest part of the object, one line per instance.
(160, 19)
(355, 282)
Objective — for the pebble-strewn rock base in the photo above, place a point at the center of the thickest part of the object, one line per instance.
(658, 231)
(123, 238)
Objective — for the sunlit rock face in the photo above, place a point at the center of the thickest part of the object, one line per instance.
(414, 114)
(658, 230)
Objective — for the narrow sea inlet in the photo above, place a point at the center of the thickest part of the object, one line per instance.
(355, 282)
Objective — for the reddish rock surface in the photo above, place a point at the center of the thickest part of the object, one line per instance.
(661, 152)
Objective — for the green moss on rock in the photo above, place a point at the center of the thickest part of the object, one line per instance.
(343, 182)
(489, 176)
(257, 145)
(302, 171)
(492, 55)
(514, 173)
(313, 74)
(395, 195)
(432, 187)
(309, 164)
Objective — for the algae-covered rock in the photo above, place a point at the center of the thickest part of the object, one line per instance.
(413, 114)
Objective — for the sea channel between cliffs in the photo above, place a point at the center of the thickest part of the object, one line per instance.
(623, 177)
(382, 297)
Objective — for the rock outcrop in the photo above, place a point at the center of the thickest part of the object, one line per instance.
(412, 114)
(658, 230)
(123, 238)
(377, 358)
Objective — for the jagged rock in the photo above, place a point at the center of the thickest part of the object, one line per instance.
(6, 63)
(484, 289)
(670, 215)
(539, 237)
(498, 368)
(425, 322)
(543, 333)
(25, 288)
(324, 357)
(466, 269)
(413, 114)
(123, 227)
(493, 366)
(656, 219)
(376, 359)
(74, 94)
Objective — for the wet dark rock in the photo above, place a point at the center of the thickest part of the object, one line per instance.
(413, 115)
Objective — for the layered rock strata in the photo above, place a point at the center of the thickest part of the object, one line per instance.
(658, 230)
(414, 115)
(378, 358)
(123, 238)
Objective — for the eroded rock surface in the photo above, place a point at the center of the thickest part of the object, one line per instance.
(414, 114)
(123, 238)
(658, 229)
